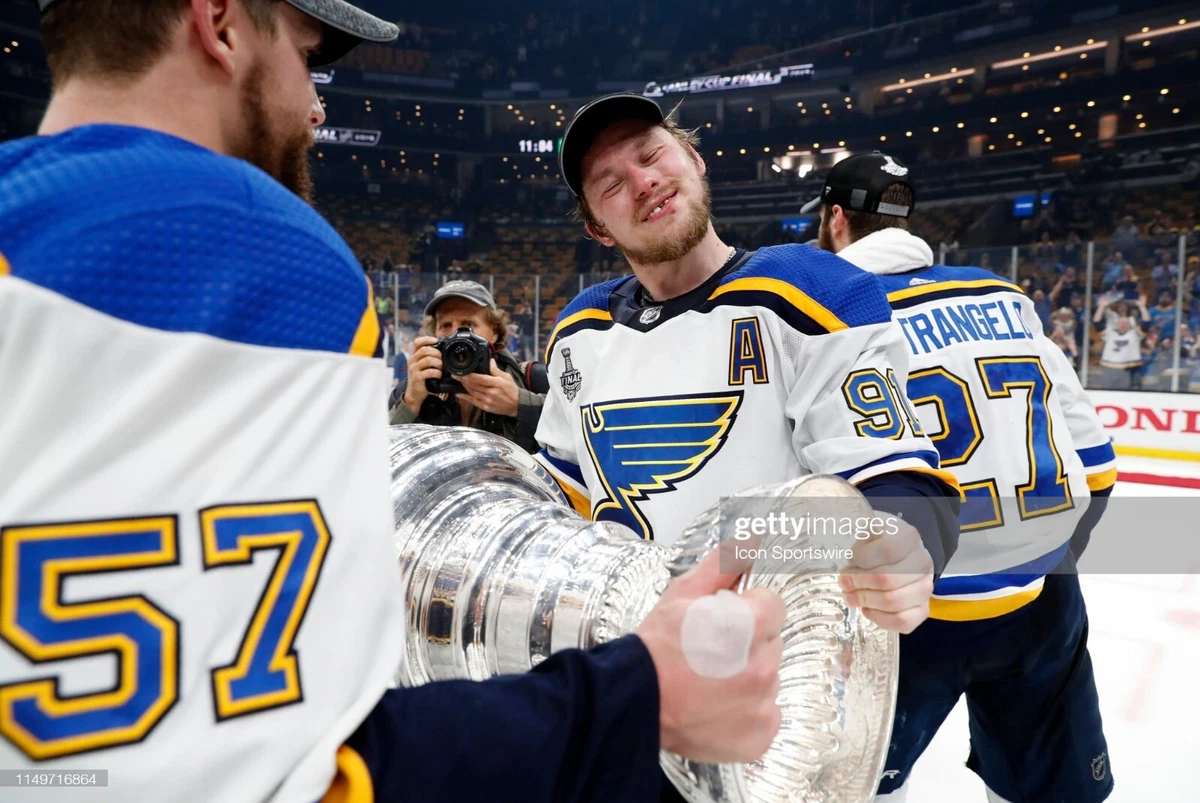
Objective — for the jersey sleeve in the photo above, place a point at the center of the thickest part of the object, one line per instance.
(1091, 442)
(852, 417)
(579, 726)
(556, 439)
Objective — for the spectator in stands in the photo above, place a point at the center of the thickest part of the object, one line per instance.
(1126, 238)
(1113, 269)
(1067, 284)
(1042, 305)
(1072, 251)
(1065, 340)
(1122, 357)
(1162, 315)
(523, 318)
(1164, 272)
(1128, 286)
(507, 402)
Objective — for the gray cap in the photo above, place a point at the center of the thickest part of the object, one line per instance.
(346, 26)
(474, 292)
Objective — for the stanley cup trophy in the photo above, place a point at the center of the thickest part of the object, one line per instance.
(498, 572)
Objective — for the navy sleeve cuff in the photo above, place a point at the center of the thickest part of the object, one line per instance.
(924, 502)
(580, 726)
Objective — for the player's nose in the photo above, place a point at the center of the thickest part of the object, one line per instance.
(316, 114)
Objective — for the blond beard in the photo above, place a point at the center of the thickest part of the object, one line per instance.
(282, 156)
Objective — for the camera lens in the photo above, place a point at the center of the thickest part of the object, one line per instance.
(459, 357)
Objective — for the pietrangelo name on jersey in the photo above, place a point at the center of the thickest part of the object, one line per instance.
(948, 324)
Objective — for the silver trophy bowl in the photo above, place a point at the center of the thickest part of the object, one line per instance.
(498, 572)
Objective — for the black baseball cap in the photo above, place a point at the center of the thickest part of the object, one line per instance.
(593, 118)
(346, 27)
(859, 182)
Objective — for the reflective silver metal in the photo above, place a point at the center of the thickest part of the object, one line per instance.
(498, 572)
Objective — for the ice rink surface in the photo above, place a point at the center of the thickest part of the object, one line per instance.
(1145, 646)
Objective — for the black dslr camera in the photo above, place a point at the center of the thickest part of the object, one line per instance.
(464, 352)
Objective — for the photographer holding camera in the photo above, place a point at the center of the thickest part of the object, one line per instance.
(465, 376)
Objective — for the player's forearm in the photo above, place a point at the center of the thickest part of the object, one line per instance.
(925, 503)
(580, 726)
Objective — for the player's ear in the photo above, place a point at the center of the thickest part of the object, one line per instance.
(596, 232)
(699, 160)
(837, 222)
(212, 20)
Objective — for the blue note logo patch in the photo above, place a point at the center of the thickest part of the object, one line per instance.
(1100, 766)
(648, 446)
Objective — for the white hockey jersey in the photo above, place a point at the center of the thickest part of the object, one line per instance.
(785, 362)
(1007, 413)
(198, 587)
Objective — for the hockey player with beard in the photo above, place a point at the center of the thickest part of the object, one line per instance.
(1008, 626)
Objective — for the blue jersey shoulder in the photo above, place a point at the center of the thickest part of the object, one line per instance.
(162, 233)
(939, 274)
(592, 298)
(826, 284)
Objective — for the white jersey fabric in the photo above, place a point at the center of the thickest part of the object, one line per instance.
(199, 592)
(1121, 349)
(1007, 413)
(784, 363)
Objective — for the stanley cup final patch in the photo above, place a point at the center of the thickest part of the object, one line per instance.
(570, 379)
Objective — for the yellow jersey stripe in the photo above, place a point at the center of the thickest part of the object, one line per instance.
(924, 289)
(570, 320)
(366, 339)
(967, 610)
(942, 474)
(5, 268)
(352, 784)
(789, 293)
(578, 501)
(1103, 480)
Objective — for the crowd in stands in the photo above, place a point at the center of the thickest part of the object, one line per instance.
(523, 244)
(639, 40)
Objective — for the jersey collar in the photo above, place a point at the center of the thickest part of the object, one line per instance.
(632, 306)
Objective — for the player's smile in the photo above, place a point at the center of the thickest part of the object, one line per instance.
(664, 206)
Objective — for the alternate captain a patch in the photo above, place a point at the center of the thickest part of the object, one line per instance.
(648, 446)
(746, 354)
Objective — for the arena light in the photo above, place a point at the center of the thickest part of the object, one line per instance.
(1058, 52)
(720, 153)
(777, 168)
(1057, 109)
(961, 125)
(883, 138)
(933, 79)
(1174, 111)
(936, 129)
(1127, 98)
(742, 151)
(1164, 91)
(1148, 34)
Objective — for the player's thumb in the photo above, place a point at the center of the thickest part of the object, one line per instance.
(720, 569)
